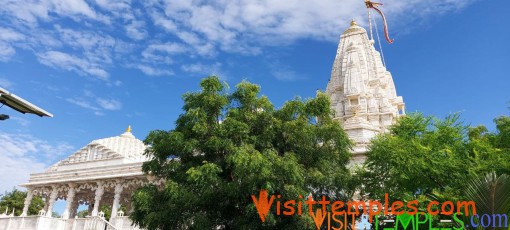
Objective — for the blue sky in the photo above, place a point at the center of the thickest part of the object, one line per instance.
(101, 65)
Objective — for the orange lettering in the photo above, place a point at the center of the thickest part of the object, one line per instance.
(337, 205)
(262, 204)
(430, 205)
(447, 212)
(395, 206)
(310, 202)
(371, 211)
(413, 207)
(340, 223)
(318, 218)
(289, 205)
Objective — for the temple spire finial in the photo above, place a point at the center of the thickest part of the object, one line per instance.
(128, 133)
(353, 22)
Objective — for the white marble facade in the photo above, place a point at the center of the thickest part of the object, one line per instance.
(362, 91)
(104, 172)
(107, 171)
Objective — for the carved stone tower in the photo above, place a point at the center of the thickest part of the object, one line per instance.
(362, 92)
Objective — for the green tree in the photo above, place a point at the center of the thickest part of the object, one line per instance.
(82, 213)
(419, 155)
(227, 146)
(502, 139)
(491, 150)
(426, 155)
(16, 200)
(107, 211)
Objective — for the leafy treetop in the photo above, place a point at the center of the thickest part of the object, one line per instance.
(227, 146)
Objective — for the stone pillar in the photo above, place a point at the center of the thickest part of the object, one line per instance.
(70, 199)
(97, 199)
(28, 200)
(74, 208)
(46, 202)
(116, 198)
(51, 201)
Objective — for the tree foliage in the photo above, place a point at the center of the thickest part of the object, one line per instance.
(16, 200)
(491, 149)
(418, 155)
(425, 155)
(82, 213)
(227, 146)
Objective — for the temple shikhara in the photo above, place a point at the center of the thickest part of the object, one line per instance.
(362, 92)
(107, 171)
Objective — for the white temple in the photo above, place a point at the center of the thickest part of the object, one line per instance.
(362, 92)
(106, 171)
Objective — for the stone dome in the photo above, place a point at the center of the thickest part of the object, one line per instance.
(354, 28)
(125, 148)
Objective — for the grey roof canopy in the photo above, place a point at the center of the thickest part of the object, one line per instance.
(21, 105)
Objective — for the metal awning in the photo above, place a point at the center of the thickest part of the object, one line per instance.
(21, 105)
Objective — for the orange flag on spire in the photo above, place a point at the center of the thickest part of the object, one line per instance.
(374, 6)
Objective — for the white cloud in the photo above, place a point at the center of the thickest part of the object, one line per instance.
(226, 24)
(166, 32)
(268, 22)
(88, 93)
(38, 39)
(136, 31)
(152, 71)
(16, 171)
(113, 5)
(25, 11)
(60, 60)
(7, 38)
(82, 103)
(83, 39)
(21, 121)
(97, 113)
(6, 52)
(162, 52)
(30, 12)
(95, 103)
(96, 48)
(4, 83)
(160, 20)
(23, 154)
(286, 75)
(202, 47)
(73, 7)
(254, 22)
(203, 70)
(8, 35)
(283, 72)
(109, 104)
(115, 83)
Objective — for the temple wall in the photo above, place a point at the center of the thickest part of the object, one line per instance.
(361, 135)
(123, 223)
(50, 223)
(32, 223)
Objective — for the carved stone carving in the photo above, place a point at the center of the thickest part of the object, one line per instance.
(362, 90)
